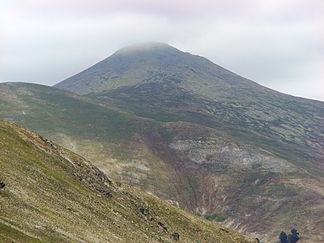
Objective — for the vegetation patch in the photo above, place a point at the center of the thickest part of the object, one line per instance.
(217, 217)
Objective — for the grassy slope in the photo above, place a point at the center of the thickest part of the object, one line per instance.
(110, 138)
(54, 195)
(40, 107)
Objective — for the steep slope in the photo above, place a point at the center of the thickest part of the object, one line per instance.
(113, 140)
(49, 194)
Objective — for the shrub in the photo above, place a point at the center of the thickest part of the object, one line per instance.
(291, 238)
(283, 237)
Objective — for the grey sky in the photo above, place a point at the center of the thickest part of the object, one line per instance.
(277, 43)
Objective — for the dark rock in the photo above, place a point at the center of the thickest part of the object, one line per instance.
(147, 213)
(144, 211)
(48, 143)
(163, 226)
(151, 216)
(175, 236)
(2, 184)
(225, 230)
(105, 192)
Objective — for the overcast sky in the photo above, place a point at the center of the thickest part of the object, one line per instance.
(277, 43)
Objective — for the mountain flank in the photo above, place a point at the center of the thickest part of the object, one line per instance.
(51, 194)
(161, 82)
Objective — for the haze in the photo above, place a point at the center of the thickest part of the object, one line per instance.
(279, 44)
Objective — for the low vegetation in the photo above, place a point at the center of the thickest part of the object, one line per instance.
(51, 194)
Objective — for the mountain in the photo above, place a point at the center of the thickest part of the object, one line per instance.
(158, 81)
(180, 127)
(155, 63)
(50, 194)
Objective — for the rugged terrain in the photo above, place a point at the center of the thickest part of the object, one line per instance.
(50, 194)
(156, 80)
(187, 130)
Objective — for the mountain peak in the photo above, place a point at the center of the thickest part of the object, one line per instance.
(145, 47)
(154, 62)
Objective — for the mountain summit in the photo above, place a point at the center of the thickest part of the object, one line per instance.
(150, 63)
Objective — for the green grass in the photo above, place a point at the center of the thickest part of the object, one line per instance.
(9, 234)
(217, 217)
(43, 107)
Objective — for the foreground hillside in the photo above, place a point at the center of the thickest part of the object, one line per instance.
(49, 194)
